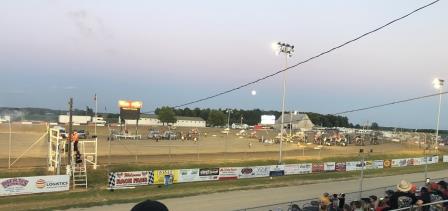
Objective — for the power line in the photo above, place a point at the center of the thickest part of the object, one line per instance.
(306, 60)
(391, 103)
(378, 106)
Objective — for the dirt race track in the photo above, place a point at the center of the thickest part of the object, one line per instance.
(214, 147)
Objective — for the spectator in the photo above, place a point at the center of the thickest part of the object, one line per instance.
(402, 197)
(356, 206)
(324, 201)
(334, 202)
(149, 205)
(341, 201)
(443, 189)
(383, 204)
(295, 207)
(425, 197)
(374, 202)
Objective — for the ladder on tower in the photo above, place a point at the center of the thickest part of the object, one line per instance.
(79, 173)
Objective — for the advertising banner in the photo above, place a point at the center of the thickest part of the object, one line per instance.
(435, 159)
(276, 170)
(305, 168)
(399, 162)
(387, 163)
(159, 176)
(132, 178)
(317, 167)
(227, 173)
(340, 167)
(445, 158)
(37, 184)
(207, 174)
(253, 172)
(188, 175)
(353, 165)
(291, 169)
(329, 166)
(378, 164)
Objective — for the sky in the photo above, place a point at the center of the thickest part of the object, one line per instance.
(173, 52)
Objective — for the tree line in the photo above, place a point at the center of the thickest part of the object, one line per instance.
(219, 117)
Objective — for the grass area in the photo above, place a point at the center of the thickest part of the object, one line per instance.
(98, 195)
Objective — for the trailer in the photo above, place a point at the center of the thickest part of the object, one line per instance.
(64, 119)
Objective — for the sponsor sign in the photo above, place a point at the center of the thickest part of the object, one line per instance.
(435, 159)
(305, 168)
(229, 173)
(132, 178)
(445, 158)
(188, 175)
(329, 166)
(340, 166)
(276, 170)
(353, 165)
(267, 119)
(387, 163)
(159, 176)
(291, 169)
(399, 162)
(207, 174)
(317, 167)
(253, 172)
(37, 184)
(378, 164)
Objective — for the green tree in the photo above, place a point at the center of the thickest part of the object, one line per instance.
(216, 118)
(375, 126)
(166, 115)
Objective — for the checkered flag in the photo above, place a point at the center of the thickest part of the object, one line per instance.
(112, 176)
(151, 177)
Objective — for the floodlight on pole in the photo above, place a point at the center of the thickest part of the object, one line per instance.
(438, 84)
(288, 50)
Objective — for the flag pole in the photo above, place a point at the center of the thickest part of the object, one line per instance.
(96, 112)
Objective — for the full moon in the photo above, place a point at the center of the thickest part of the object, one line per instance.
(253, 92)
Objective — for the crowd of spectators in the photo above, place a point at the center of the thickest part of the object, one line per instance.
(405, 195)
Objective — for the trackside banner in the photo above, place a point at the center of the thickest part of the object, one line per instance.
(130, 179)
(37, 184)
(445, 158)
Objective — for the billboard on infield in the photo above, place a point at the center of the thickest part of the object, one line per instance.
(267, 119)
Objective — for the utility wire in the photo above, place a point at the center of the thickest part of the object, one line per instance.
(374, 106)
(306, 60)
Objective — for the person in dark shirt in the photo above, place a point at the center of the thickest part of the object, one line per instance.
(425, 197)
(402, 197)
(341, 201)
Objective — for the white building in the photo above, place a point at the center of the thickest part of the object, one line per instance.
(298, 121)
(182, 121)
(5, 119)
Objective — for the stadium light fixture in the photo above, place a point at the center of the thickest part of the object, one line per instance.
(288, 50)
(438, 84)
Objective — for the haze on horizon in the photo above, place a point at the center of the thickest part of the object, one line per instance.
(172, 52)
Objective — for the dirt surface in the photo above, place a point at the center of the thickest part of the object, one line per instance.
(250, 198)
(212, 147)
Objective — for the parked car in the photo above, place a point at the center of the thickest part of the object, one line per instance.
(169, 135)
(154, 134)
(82, 134)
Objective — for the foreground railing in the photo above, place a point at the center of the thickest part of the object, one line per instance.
(351, 196)
(417, 208)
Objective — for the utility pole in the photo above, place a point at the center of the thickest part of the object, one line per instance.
(70, 131)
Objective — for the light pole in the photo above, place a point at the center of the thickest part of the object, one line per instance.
(10, 142)
(438, 84)
(361, 180)
(290, 122)
(228, 118)
(286, 49)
